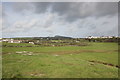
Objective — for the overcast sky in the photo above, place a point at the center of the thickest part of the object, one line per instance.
(73, 19)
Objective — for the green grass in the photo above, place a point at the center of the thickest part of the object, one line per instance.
(61, 62)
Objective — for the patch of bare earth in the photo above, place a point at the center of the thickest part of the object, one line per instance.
(37, 74)
(80, 51)
(104, 63)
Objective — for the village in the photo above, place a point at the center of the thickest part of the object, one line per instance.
(59, 40)
(22, 40)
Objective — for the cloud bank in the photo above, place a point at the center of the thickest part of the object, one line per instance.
(75, 19)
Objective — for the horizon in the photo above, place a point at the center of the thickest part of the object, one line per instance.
(54, 36)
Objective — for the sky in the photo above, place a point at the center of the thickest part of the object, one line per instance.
(72, 19)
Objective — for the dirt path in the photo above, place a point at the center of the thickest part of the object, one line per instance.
(109, 64)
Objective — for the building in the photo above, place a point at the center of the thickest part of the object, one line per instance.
(14, 41)
(90, 37)
(31, 42)
(0, 39)
(5, 40)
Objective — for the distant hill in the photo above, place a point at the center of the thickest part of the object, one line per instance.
(57, 37)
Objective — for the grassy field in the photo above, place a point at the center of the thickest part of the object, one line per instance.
(61, 62)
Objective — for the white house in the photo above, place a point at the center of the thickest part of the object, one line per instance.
(31, 42)
(14, 41)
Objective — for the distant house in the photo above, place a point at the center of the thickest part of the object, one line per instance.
(77, 41)
(0, 39)
(90, 37)
(14, 41)
(31, 42)
(5, 40)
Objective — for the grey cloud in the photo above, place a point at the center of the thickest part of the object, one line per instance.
(112, 31)
(21, 26)
(1, 11)
(75, 10)
(80, 18)
(109, 8)
(92, 26)
(22, 6)
(71, 10)
(105, 23)
(68, 10)
(37, 7)
(41, 7)
(49, 21)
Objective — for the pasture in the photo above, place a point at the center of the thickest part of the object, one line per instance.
(96, 60)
